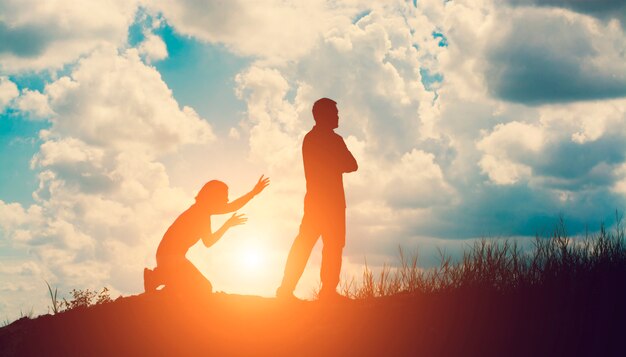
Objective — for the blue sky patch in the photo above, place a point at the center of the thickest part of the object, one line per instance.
(430, 80)
(19, 141)
(361, 15)
(202, 76)
(443, 40)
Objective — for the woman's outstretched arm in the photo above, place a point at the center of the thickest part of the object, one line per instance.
(235, 205)
(234, 220)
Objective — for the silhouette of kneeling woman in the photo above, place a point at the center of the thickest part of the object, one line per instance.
(173, 269)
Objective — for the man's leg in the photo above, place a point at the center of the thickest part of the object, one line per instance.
(334, 239)
(298, 256)
(331, 266)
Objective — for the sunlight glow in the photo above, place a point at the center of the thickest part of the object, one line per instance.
(252, 259)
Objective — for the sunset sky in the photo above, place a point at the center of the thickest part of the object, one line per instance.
(469, 119)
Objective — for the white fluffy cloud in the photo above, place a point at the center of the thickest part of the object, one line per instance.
(34, 104)
(586, 121)
(104, 196)
(505, 146)
(574, 147)
(153, 48)
(416, 181)
(8, 91)
(272, 29)
(38, 35)
(130, 108)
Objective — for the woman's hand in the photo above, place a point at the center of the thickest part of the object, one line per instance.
(261, 185)
(236, 220)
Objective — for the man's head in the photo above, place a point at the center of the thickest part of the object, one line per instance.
(214, 194)
(325, 113)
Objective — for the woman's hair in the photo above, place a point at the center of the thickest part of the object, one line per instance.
(211, 190)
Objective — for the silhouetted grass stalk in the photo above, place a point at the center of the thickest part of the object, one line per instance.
(556, 262)
(56, 303)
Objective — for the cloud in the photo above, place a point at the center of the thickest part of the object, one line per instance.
(8, 91)
(104, 196)
(130, 109)
(417, 182)
(274, 121)
(270, 29)
(553, 55)
(572, 147)
(595, 163)
(603, 9)
(23, 41)
(507, 160)
(36, 35)
(13, 216)
(586, 121)
(505, 146)
(153, 48)
(34, 104)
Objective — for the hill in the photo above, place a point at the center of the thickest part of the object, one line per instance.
(459, 323)
(566, 297)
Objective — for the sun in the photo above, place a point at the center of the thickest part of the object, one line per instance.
(252, 258)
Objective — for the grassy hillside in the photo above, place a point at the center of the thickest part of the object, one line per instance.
(566, 297)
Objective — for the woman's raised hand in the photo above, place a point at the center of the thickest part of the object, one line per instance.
(261, 185)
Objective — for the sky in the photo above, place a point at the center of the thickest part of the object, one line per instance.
(469, 119)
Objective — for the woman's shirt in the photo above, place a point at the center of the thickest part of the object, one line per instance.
(187, 230)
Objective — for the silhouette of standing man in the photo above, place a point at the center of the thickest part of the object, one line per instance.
(326, 158)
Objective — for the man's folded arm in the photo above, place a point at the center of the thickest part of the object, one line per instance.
(348, 162)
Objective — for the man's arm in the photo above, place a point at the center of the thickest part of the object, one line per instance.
(347, 160)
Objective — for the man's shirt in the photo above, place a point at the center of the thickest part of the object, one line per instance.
(325, 158)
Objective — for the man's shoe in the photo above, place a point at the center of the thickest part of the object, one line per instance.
(285, 295)
(332, 296)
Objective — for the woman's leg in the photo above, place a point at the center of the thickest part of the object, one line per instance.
(181, 275)
(151, 280)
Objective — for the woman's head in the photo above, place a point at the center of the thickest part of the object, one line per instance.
(213, 193)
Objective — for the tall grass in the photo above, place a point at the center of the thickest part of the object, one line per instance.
(557, 262)
(56, 304)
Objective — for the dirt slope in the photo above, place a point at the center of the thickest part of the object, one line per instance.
(454, 324)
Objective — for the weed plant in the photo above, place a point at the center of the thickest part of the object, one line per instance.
(80, 298)
(86, 298)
